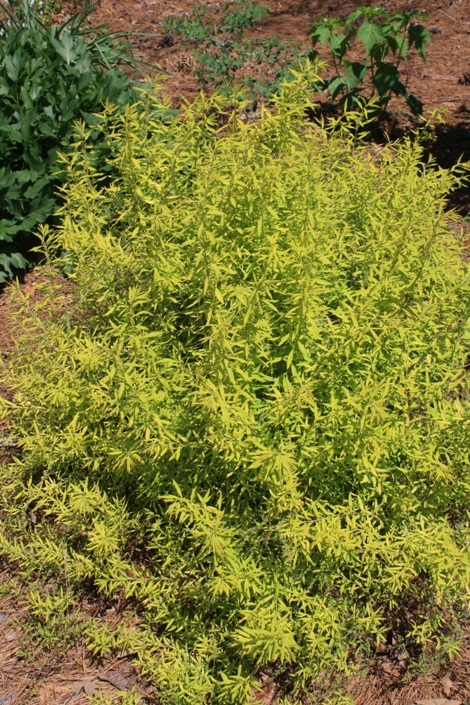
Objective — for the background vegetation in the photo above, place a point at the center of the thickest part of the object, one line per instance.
(225, 57)
(386, 40)
(52, 76)
(49, 78)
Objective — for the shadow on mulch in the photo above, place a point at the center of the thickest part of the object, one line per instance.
(452, 144)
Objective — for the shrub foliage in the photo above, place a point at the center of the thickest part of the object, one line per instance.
(49, 78)
(252, 419)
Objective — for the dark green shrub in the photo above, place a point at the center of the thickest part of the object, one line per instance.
(253, 419)
(49, 77)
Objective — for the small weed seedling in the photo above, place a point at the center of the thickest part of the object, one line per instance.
(192, 28)
(387, 41)
(220, 48)
(244, 16)
(233, 18)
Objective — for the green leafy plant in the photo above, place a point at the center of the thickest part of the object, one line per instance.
(49, 77)
(53, 623)
(220, 65)
(242, 16)
(251, 420)
(386, 39)
(47, 9)
(193, 27)
(231, 18)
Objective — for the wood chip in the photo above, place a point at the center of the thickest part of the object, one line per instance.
(14, 635)
(390, 668)
(7, 699)
(116, 679)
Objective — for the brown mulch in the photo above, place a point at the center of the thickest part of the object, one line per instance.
(387, 684)
(33, 675)
(439, 83)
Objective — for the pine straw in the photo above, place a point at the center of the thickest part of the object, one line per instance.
(33, 675)
(392, 688)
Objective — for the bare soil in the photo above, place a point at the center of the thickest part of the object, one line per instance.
(30, 675)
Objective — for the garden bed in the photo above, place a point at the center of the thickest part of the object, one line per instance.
(54, 674)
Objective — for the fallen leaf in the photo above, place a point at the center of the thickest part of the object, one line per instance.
(88, 687)
(447, 685)
(267, 695)
(116, 679)
(3, 617)
(383, 647)
(390, 669)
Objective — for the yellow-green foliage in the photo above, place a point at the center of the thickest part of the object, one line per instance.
(252, 419)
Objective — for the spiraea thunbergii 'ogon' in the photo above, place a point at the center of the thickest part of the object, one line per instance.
(252, 419)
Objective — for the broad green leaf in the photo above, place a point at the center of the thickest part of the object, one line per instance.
(370, 34)
(355, 74)
(419, 37)
(414, 104)
(355, 15)
(18, 261)
(387, 78)
(321, 33)
(13, 66)
(337, 85)
(339, 44)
